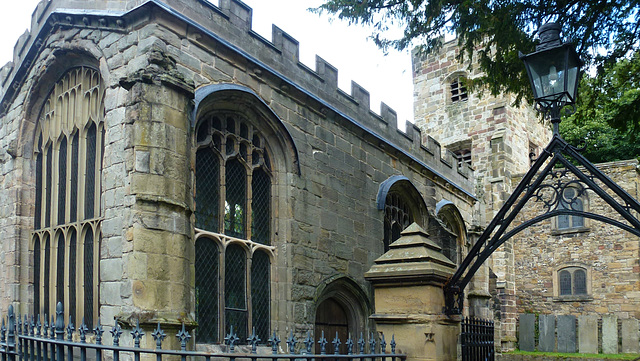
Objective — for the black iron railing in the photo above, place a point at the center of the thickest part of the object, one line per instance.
(477, 340)
(32, 340)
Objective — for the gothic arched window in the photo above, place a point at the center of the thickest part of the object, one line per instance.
(233, 228)
(68, 160)
(397, 217)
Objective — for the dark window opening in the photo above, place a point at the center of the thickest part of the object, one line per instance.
(458, 90)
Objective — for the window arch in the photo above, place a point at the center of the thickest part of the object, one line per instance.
(454, 237)
(234, 180)
(68, 159)
(402, 205)
(572, 282)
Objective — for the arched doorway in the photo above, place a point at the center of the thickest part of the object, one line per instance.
(342, 308)
(331, 318)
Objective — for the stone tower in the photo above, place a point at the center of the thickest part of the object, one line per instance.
(497, 139)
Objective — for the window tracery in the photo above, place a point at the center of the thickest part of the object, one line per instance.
(397, 217)
(68, 160)
(233, 228)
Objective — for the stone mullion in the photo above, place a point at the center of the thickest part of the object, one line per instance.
(222, 307)
(95, 228)
(80, 238)
(42, 271)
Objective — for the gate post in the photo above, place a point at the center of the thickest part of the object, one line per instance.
(409, 299)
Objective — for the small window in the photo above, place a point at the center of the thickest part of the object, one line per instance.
(572, 281)
(534, 152)
(463, 156)
(397, 217)
(572, 200)
(458, 90)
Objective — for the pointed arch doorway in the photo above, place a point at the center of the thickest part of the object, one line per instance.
(342, 310)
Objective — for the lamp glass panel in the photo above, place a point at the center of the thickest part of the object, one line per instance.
(573, 77)
(548, 72)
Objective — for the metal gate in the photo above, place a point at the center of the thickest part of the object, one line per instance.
(477, 340)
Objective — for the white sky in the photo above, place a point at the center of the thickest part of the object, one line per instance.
(387, 78)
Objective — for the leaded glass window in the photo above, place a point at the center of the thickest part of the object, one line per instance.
(579, 282)
(260, 294)
(565, 283)
(60, 270)
(397, 217)
(235, 287)
(207, 270)
(573, 281)
(570, 200)
(36, 275)
(68, 164)
(233, 225)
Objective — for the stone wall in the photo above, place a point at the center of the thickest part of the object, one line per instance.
(327, 225)
(609, 254)
(499, 136)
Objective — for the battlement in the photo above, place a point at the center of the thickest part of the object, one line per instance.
(278, 56)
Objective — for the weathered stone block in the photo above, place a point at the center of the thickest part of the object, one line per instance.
(630, 336)
(547, 328)
(610, 334)
(527, 340)
(588, 334)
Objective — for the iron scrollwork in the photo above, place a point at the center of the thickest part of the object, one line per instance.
(547, 185)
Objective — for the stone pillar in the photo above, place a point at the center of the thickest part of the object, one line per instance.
(478, 296)
(159, 254)
(409, 299)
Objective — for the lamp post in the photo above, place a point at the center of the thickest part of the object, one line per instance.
(554, 73)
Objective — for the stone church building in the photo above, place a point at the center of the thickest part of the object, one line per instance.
(162, 161)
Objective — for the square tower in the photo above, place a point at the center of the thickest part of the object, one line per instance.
(496, 138)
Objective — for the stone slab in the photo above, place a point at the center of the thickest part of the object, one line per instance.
(610, 334)
(630, 336)
(527, 332)
(588, 334)
(547, 328)
(567, 333)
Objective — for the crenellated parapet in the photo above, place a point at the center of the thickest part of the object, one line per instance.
(229, 25)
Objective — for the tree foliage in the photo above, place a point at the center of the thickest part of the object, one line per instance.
(607, 116)
(495, 31)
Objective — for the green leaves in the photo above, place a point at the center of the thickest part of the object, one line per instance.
(607, 116)
(603, 31)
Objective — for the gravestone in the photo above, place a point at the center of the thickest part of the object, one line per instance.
(588, 334)
(610, 334)
(630, 336)
(547, 327)
(567, 333)
(527, 328)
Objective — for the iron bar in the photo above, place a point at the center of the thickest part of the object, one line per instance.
(530, 188)
(55, 346)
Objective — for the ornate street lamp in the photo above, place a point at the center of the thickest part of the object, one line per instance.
(554, 73)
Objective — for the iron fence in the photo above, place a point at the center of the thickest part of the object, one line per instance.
(32, 340)
(476, 340)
